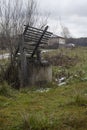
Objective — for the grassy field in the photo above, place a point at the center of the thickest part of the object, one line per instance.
(56, 108)
(60, 108)
(69, 63)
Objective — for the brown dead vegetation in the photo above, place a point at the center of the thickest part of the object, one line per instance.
(63, 60)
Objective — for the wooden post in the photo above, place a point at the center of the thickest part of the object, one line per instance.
(23, 66)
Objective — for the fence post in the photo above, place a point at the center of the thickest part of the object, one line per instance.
(23, 64)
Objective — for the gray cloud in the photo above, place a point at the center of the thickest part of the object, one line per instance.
(73, 14)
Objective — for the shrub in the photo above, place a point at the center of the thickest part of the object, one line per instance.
(5, 89)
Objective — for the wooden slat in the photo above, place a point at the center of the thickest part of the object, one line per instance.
(37, 32)
(32, 40)
(37, 36)
(33, 29)
(33, 44)
(30, 44)
(29, 47)
(36, 39)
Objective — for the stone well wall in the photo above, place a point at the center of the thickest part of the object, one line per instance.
(39, 73)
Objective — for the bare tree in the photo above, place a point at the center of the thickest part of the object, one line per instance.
(9, 22)
(65, 31)
(13, 15)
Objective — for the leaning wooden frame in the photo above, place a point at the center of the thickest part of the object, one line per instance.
(31, 43)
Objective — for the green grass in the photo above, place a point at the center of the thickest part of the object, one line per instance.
(4, 51)
(78, 70)
(61, 108)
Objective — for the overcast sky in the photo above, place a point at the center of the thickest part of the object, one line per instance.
(71, 13)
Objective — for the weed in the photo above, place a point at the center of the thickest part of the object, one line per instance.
(80, 100)
(5, 89)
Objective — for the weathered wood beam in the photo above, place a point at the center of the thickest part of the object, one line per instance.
(39, 41)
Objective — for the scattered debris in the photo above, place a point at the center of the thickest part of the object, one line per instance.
(62, 79)
(63, 83)
(42, 90)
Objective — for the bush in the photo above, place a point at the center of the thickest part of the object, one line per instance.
(5, 89)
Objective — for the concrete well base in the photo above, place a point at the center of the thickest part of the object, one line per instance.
(39, 73)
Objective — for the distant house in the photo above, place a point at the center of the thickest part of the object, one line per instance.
(56, 41)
